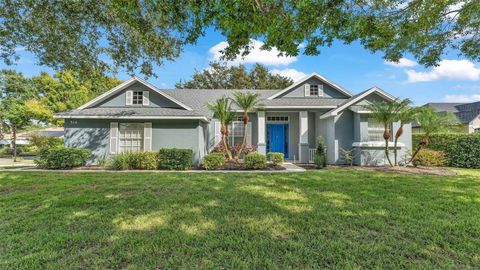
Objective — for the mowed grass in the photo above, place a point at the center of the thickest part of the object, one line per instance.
(327, 219)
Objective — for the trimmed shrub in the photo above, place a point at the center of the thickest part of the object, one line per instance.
(63, 158)
(429, 158)
(175, 159)
(213, 161)
(320, 155)
(275, 157)
(255, 160)
(134, 161)
(460, 149)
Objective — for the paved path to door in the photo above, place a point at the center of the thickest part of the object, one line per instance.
(292, 167)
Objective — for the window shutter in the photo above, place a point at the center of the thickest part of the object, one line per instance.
(147, 136)
(307, 89)
(249, 133)
(218, 135)
(320, 90)
(113, 137)
(146, 98)
(129, 98)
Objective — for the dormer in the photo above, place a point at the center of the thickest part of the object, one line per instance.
(313, 86)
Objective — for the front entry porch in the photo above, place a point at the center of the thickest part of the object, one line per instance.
(278, 139)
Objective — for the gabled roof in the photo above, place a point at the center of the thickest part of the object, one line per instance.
(443, 107)
(313, 75)
(126, 84)
(465, 112)
(356, 98)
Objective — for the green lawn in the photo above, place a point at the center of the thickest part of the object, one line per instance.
(333, 218)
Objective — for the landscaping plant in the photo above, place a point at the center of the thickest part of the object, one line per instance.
(255, 161)
(248, 102)
(63, 158)
(405, 114)
(276, 158)
(175, 159)
(213, 161)
(429, 158)
(348, 155)
(221, 108)
(321, 153)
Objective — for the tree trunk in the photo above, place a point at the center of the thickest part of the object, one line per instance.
(397, 136)
(14, 143)
(225, 143)
(386, 137)
(244, 140)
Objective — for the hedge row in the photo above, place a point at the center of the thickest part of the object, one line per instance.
(62, 158)
(461, 149)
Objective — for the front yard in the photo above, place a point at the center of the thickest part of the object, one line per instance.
(333, 218)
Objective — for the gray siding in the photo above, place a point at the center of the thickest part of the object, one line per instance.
(328, 91)
(156, 100)
(344, 134)
(94, 134)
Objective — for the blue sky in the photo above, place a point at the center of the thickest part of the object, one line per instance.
(353, 67)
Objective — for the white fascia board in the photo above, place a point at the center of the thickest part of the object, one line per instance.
(299, 107)
(203, 118)
(355, 100)
(313, 75)
(124, 85)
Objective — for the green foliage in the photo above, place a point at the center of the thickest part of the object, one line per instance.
(147, 160)
(221, 108)
(40, 141)
(429, 158)
(461, 149)
(223, 76)
(175, 159)
(100, 36)
(248, 102)
(321, 154)
(213, 161)
(348, 155)
(255, 161)
(62, 158)
(275, 157)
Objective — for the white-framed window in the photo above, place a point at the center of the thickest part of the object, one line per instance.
(236, 130)
(314, 90)
(375, 130)
(137, 98)
(131, 137)
(277, 118)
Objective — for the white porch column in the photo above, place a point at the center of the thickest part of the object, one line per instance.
(262, 146)
(303, 137)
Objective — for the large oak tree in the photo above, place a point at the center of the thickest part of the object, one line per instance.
(98, 36)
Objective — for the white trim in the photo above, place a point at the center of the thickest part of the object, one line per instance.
(126, 84)
(261, 123)
(129, 98)
(303, 127)
(313, 75)
(306, 88)
(113, 138)
(375, 89)
(375, 144)
(147, 136)
(146, 98)
(130, 117)
(299, 107)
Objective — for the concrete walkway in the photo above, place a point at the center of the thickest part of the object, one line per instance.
(292, 167)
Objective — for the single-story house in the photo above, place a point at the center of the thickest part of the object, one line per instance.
(467, 115)
(137, 116)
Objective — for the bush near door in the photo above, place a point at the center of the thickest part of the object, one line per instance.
(134, 161)
(429, 158)
(255, 161)
(175, 159)
(213, 161)
(276, 158)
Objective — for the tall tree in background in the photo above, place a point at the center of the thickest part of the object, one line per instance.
(221, 76)
(15, 91)
(97, 36)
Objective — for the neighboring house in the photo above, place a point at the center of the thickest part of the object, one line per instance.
(137, 116)
(22, 137)
(467, 115)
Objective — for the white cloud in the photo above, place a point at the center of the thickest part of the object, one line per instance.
(256, 55)
(447, 69)
(461, 98)
(292, 73)
(402, 62)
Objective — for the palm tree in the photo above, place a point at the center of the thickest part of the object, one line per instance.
(248, 102)
(222, 109)
(430, 122)
(385, 113)
(405, 115)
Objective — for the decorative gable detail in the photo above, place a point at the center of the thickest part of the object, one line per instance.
(129, 97)
(146, 98)
(307, 89)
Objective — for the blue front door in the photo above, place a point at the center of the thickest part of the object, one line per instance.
(277, 138)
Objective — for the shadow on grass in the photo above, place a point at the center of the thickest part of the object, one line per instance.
(335, 219)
